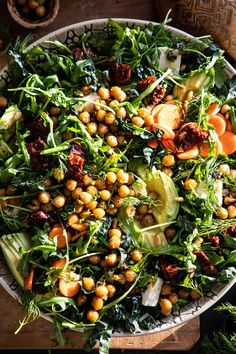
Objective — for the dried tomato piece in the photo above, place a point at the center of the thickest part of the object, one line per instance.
(76, 160)
(38, 161)
(208, 268)
(119, 73)
(231, 231)
(214, 240)
(189, 135)
(169, 270)
(38, 129)
(158, 94)
(143, 84)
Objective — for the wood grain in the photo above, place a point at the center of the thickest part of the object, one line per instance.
(37, 334)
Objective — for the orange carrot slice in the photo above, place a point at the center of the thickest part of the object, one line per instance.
(205, 149)
(28, 283)
(69, 285)
(189, 154)
(213, 109)
(168, 133)
(218, 123)
(59, 263)
(57, 235)
(229, 126)
(228, 141)
(168, 115)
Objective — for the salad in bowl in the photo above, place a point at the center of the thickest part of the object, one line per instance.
(117, 177)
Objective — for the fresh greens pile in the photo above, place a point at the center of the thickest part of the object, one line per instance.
(117, 178)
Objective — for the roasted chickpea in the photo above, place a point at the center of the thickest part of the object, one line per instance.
(85, 197)
(92, 128)
(183, 293)
(166, 289)
(102, 129)
(76, 193)
(94, 259)
(71, 184)
(84, 117)
(130, 276)
(224, 169)
(114, 232)
(121, 113)
(114, 242)
(136, 255)
(92, 190)
(231, 211)
(3, 102)
(168, 160)
(148, 120)
(148, 220)
(100, 183)
(81, 300)
(118, 93)
(138, 121)
(113, 103)
(54, 111)
(166, 307)
(143, 112)
(225, 108)
(104, 93)
(111, 290)
(58, 174)
(92, 316)
(173, 298)
(222, 213)
(88, 284)
(122, 176)
(117, 200)
(87, 180)
(92, 205)
(101, 115)
(105, 194)
(101, 291)
(44, 197)
(123, 191)
(195, 294)
(190, 184)
(111, 260)
(112, 141)
(97, 303)
(98, 213)
(170, 232)
(142, 209)
(59, 201)
(111, 177)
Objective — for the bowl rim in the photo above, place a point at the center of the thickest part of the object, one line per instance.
(216, 296)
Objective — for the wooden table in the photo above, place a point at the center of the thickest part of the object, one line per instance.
(31, 336)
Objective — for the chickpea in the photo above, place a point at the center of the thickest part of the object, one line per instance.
(81, 300)
(221, 213)
(47, 207)
(224, 169)
(84, 117)
(112, 141)
(97, 303)
(92, 128)
(229, 200)
(87, 180)
(143, 112)
(117, 93)
(68, 135)
(190, 184)
(143, 209)
(231, 211)
(111, 290)
(166, 289)
(54, 111)
(100, 184)
(130, 276)
(130, 211)
(2, 192)
(3, 102)
(35, 205)
(138, 121)
(136, 255)
(92, 205)
(88, 284)
(94, 259)
(166, 307)
(120, 139)
(85, 197)
(148, 120)
(173, 298)
(110, 118)
(105, 194)
(120, 278)
(114, 242)
(168, 160)
(71, 184)
(47, 182)
(170, 232)
(92, 316)
(104, 93)
(195, 294)
(183, 293)
(102, 263)
(59, 201)
(58, 174)
(40, 11)
(198, 240)
(101, 291)
(76, 193)
(232, 173)
(123, 191)
(111, 211)
(121, 113)
(148, 220)
(117, 200)
(111, 177)
(225, 108)
(111, 260)
(122, 176)
(102, 129)
(101, 115)
(73, 219)
(79, 208)
(44, 197)
(10, 190)
(114, 232)
(85, 214)
(113, 103)
(92, 190)
(98, 213)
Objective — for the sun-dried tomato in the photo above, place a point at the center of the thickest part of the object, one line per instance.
(231, 231)
(38, 161)
(189, 135)
(119, 73)
(76, 160)
(158, 94)
(208, 268)
(214, 240)
(143, 84)
(169, 270)
(38, 129)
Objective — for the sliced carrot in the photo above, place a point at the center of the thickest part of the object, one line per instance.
(168, 145)
(169, 115)
(228, 141)
(218, 123)
(205, 149)
(189, 154)
(153, 144)
(213, 109)
(69, 285)
(57, 235)
(229, 126)
(220, 115)
(28, 283)
(59, 263)
(75, 237)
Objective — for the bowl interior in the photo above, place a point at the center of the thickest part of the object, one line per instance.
(70, 35)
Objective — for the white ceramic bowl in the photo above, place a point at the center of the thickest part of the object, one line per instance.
(69, 35)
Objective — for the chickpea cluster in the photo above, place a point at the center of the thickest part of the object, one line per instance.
(171, 294)
(33, 9)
